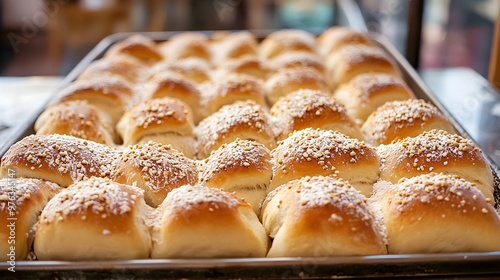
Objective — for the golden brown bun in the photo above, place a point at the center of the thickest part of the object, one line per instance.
(283, 41)
(337, 37)
(298, 60)
(187, 45)
(111, 94)
(170, 84)
(77, 118)
(230, 89)
(311, 108)
(327, 153)
(436, 151)
(287, 81)
(321, 216)
(244, 119)
(366, 92)
(236, 45)
(59, 158)
(21, 201)
(155, 168)
(123, 66)
(138, 46)
(94, 220)
(194, 69)
(400, 119)
(243, 167)
(163, 120)
(438, 213)
(201, 222)
(353, 60)
(251, 66)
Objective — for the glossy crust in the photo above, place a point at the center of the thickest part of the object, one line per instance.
(366, 92)
(321, 216)
(337, 37)
(155, 168)
(311, 152)
(251, 66)
(201, 222)
(397, 120)
(298, 60)
(236, 46)
(232, 88)
(284, 41)
(94, 220)
(287, 81)
(21, 201)
(194, 69)
(113, 95)
(139, 47)
(170, 84)
(163, 120)
(187, 45)
(311, 108)
(128, 68)
(243, 119)
(59, 158)
(243, 167)
(353, 60)
(438, 213)
(77, 118)
(436, 151)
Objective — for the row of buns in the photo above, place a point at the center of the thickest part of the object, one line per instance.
(249, 166)
(249, 170)
(295, 146)
(115, 100)
(315, 216)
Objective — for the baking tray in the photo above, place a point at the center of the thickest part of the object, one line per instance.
(456, 265)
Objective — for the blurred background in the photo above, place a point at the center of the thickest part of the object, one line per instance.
(48, 37)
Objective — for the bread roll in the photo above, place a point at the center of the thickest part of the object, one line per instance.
(77, 118)
(436, 151)
(311, 108)
(230, 89)
(112, 95)
(21, 201)
(163, 120)
(235, 46)
(139, 47)
(327, 153)
(321, 216)
(187, 45)
(251, 66)
(353, 60)
(283, 41)
(59, 158)
(439, 213)
(337, 37)
(201, 222)
(244, 119)
(94, 220)
(243, 167)
(400, 119)
(366, 92)
(123, 66)
(298, 60)
(194, 69)
(290, 80)
(155, 168)
(170, 84)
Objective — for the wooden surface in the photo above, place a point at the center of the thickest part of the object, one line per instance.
(494, 72)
